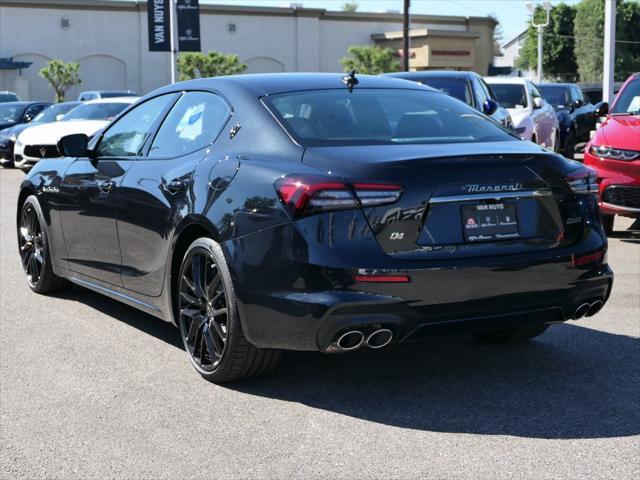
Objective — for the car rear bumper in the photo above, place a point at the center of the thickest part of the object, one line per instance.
(287, 302)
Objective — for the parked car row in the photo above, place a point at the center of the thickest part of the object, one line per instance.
(29, 138)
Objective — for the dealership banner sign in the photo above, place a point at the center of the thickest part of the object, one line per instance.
(188, 20)
(158, 25)
(188, 25)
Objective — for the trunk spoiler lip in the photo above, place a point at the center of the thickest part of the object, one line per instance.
(469, 197)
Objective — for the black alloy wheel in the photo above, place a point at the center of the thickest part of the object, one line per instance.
(210, 328)
(31, 242)
(34, 249)
(203, 310)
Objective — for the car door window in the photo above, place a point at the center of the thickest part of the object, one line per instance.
(480, 94)
(534, 92)
(575, 96)
(193, 123)
(128, 134)
(32, 111)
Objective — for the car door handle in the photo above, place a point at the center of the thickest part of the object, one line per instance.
(107, 187)
(174, 186)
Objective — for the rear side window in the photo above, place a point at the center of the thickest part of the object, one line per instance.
(381, 117)
(193, 123)
(454, 87)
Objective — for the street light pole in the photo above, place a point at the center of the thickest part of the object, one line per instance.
(540, 26)
(405, 36)
(609, 49)
(173, 38)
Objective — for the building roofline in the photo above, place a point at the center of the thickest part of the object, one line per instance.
(129, 5)
(516, 38)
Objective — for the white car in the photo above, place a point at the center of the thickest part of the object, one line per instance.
(533, 118)
(40, 141)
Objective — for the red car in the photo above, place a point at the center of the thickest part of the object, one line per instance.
(614, 152)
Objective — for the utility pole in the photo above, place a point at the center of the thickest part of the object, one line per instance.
(540, 26)
(405, 36)
(173, 32)
(609, 50)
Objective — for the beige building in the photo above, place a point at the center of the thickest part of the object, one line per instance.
(109, 39)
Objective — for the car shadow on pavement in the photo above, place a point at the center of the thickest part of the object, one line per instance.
(146, 323)
(630, 235)
(572, 382)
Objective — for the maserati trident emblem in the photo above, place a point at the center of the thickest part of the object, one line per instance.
(43, 152)
(478, 188)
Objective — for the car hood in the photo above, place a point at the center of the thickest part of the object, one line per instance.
(5, 124)
(50, 133)
(620, 131)
(518, 114)
(17, 129)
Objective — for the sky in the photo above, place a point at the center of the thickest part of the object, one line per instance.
(512, 14)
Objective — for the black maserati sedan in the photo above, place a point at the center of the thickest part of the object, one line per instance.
(261, 213)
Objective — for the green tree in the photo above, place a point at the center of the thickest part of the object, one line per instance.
(370, 60)
(558, 58)
(589, 33)
(213, 64)
(60, 76)
(350, 7)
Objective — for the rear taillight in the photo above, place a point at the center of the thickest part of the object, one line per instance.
(582, 180)
(308, 194)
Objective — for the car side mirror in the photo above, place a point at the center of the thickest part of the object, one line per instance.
(489, 107)
(538, 102)
(601, 109)
(59, 117)
(577, 103)
(75, 145)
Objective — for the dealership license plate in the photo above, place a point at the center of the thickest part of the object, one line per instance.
(489, 221)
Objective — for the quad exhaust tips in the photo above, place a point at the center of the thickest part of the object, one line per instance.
(588, 309)
(354, 339)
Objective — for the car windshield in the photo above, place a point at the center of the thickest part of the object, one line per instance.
(556, 96)
(628, 100)
(95, 111)
(454, 87)
(49, 114)
(11, 112)
(381, 117)
(510, 95)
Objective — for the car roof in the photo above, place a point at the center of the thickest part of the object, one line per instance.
(112, 100)
(433, 74)
(551, 84)
(22, 103)
(514, 80)
(263, 84)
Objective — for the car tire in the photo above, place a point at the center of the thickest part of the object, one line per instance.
(570, 145)
(512, 334)
(35, 255)
(209, 322)
(607, 223)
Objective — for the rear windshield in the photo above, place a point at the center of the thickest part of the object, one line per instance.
(556, 96)
(116, 94)
(95, 111)
(455, 87)
(510, 95)
(381, 117)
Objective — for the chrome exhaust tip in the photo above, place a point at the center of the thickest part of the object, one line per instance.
(581, 311)
(379, 338)
(350, 340)
(594, 308)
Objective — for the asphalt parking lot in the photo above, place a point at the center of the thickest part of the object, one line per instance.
(94, 389)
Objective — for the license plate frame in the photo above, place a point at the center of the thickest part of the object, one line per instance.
(490, 222)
